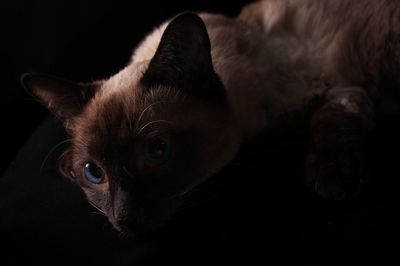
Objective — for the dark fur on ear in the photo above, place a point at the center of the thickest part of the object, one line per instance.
(183, 60)
(64, 98)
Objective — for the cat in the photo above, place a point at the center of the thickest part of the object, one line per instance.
(200, 85)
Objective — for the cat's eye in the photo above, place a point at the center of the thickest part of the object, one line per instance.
(158, 150)
(93, 173)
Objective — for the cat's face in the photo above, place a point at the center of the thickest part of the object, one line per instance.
(141, 143)
(136, 155)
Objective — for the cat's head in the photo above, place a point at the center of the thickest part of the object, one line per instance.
(145, 137)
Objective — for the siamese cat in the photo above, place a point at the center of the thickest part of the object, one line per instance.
(200, 85)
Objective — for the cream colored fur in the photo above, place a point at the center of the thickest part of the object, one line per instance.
(273, 58)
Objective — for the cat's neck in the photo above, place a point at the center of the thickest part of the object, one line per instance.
(261, 86)
(271, 78)
(235, 53)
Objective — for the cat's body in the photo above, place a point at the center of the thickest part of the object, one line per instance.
(195, 89)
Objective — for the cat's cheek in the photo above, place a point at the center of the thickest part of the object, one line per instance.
(86, 184)
(104, 187)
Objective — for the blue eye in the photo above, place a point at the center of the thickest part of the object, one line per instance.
(158, 150)
(93, 173)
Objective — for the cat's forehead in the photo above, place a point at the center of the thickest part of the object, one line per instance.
(109, 124)
(125, 90)
(121, 105)
(126, 79)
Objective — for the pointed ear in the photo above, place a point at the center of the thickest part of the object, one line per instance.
(183, 59)
(64, 98)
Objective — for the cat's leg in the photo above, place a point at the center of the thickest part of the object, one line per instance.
(336, 165)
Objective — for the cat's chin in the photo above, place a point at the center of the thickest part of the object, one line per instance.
(130, 231)
(135, 230)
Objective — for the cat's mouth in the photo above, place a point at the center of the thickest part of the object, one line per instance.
(140, 222)
(156, 215)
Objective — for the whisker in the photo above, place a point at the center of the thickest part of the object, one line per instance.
(97, 208)
(52, 150)
(144, 111)
(153, 122)
(99, 213)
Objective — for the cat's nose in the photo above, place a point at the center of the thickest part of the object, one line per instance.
(125, 222)
(124, 218)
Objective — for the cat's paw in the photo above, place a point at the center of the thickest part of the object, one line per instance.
(336, 176)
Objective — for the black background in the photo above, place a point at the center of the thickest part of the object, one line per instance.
(257, 211)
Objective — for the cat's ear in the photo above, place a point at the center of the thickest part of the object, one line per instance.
(183, 59)
(66, 99)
